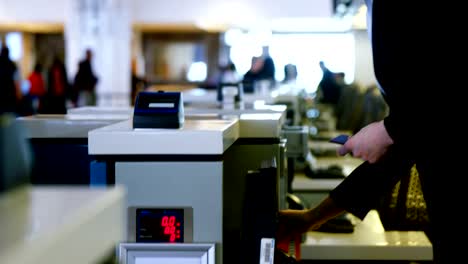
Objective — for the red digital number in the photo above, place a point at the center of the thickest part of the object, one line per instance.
(164, 221)
(172, 220)
(169, 224)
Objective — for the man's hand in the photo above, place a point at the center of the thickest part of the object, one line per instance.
(369, 144)
(293, 223)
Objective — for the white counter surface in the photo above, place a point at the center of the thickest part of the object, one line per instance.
(369, 241)
(56, 225)
(257, 120)
(214, 107)
(64, 126)
(198, 95)
(261, 125)
(101, 110)
(196, 137)
(303, 183)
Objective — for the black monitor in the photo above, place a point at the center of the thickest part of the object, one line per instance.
(259, 219)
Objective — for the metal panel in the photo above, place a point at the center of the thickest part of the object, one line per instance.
(178, 184)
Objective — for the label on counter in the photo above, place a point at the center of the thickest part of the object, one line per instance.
(267, 250)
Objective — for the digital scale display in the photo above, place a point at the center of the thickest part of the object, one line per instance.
(155, 225)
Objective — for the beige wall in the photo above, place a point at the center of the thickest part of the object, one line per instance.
(364, 71)
(26, 64)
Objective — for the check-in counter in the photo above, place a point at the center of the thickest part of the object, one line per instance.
(369, 242)
(214, 137)
(60, 146)
(200, 167)
(203, 96)
(283, 94)
(260, 133)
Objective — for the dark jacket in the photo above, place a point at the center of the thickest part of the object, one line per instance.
(411, 59)
(8, 100)
(85, 80)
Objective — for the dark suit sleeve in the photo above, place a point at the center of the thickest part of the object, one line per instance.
(405, 66)
(364, 188)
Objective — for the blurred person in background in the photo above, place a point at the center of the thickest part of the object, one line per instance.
(252, 75)
(268, 70)
(290, 73)
(229, 74)
(36, 89)
(224, 73)
(329, 87)
(58, 88)
(139, 83)
(10, 93)
(85, 81)
(261, 74)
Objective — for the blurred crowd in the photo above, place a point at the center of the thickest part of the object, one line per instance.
(45, 90)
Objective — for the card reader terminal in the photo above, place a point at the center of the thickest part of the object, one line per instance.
(158, 110)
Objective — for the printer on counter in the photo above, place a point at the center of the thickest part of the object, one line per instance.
(158, 110)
